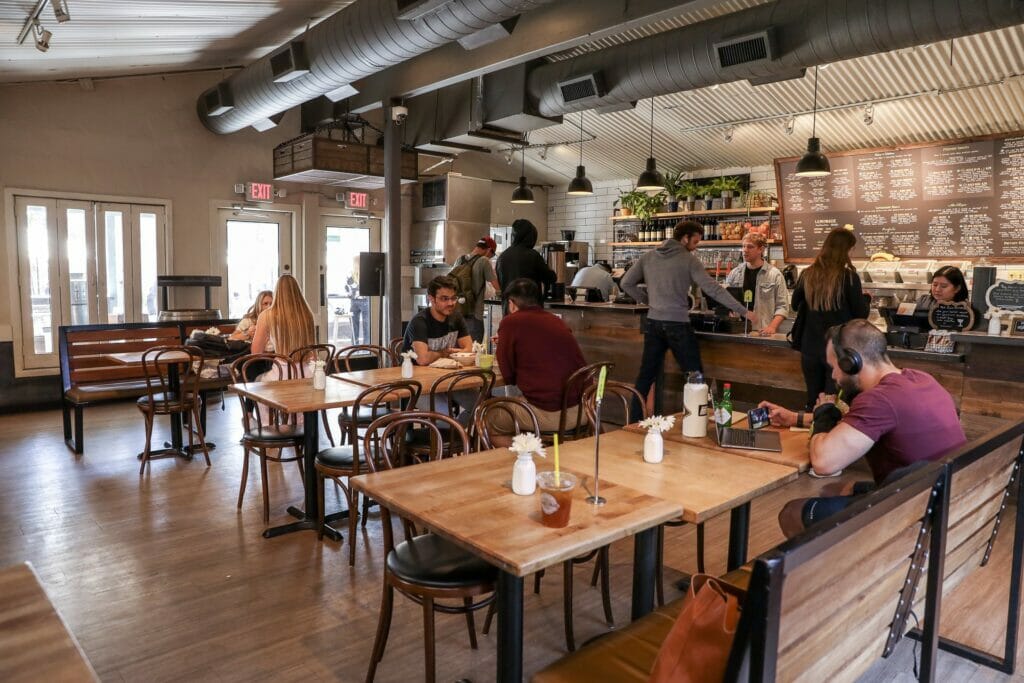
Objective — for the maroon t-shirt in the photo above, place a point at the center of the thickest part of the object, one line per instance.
(537, 352)
(910, 417)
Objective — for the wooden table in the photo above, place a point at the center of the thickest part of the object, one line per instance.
(423, 374)
(298, 396)
(705, 480)
(176, 446)
(468, 501)
(35, 643)
(795, 450)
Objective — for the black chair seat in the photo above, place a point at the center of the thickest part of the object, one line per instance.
(339, 457)
(365, 415)
(430, 560)
(163, 399)
(275, 433)
(421, 437)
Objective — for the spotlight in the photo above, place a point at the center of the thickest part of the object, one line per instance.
(508, 158)
(543, 153)
(729, 133)
(790, 125)
(60, 10)
(869, 113)
(42, 36)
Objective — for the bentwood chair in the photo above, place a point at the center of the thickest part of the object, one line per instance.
(515, 411)
(456, 394)
(172, 387)
(266, 433)
(619, 395)
(344, 461)
(426, 568)
(302, 357)
(359, 357)
(395, 346)
(572, 423)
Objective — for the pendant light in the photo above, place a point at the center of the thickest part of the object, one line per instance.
(813, 164)
(651, 179)
(580, 185)
(522, 194)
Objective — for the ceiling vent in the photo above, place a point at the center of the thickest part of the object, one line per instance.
(219, 100)
(290, 62)
(410, 10)
(582, 87)
(753, 48)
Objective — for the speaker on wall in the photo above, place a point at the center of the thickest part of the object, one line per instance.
(371, 273)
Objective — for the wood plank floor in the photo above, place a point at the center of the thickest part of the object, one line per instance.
(161, 578)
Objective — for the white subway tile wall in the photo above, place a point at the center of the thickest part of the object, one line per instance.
(590, 216)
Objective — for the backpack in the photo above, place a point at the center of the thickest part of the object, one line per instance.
(463, 276)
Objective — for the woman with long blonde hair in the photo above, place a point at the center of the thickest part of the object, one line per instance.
(288, 324)
(828, 293)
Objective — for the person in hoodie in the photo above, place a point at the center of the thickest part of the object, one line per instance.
(521, 260)
(668, 271)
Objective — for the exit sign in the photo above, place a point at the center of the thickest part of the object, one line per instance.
(358, 200)
(259, 192)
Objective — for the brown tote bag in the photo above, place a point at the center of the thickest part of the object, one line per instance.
(697, 648)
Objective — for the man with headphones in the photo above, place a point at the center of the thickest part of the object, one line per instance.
(897, 419)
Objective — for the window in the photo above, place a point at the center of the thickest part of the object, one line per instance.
(83, 262)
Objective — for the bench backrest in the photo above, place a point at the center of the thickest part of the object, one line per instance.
(828, 603)
(83, 351)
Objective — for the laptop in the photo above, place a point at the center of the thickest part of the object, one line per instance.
(749, 439)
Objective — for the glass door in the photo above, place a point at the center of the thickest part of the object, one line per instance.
(258, 249)
(76, 230)
(346, 314)
(39, 278)
(131, 252)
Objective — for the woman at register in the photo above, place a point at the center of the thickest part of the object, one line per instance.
(948, 287)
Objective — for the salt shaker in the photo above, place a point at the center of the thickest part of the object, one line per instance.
(319, 375)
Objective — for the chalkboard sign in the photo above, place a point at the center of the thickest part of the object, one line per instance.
(1017, 327)
(958, 316)
(1006, 294)
(954, 200)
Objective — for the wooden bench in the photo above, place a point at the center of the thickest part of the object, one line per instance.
(89, 376)
(822, 606)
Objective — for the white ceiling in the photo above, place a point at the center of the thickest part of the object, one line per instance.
(132, 37)
(919, 95)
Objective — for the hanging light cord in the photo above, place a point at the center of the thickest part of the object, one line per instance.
(523, 172)
(581, 138)
(814, 112)
(652, 125)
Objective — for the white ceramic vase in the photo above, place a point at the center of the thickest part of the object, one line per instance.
(407, 368)
(524, 475)
(654, 447)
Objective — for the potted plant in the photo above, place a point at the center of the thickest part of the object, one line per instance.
(727, 187)
(630, 201)
(710, 190)
(674, 188)
(647, 205)
(690, 190)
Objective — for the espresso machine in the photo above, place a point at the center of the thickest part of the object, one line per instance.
(555, 256)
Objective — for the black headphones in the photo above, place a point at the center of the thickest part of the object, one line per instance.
(849, 360)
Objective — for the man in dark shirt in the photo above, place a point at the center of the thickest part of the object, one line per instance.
(436, 332)
(897, 419)
(536, 352)
(521, 260)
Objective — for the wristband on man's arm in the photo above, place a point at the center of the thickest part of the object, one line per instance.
(826, 417)
(800, 420)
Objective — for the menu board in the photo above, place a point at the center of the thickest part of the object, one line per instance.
(956, 200)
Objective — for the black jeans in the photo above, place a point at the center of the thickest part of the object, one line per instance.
(817, 378)
(661, 336)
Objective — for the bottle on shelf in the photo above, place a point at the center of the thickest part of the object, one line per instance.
(723, 411)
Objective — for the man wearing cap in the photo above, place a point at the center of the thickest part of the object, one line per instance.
(483, 274)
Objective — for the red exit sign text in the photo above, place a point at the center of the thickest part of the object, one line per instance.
(358, 200)
(259, 192)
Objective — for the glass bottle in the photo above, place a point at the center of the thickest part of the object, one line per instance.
(723, 411)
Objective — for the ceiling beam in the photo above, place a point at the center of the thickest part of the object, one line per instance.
(554, 27)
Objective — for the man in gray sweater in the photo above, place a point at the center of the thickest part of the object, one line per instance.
(668, 272)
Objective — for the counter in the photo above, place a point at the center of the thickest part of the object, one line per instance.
(985, 377)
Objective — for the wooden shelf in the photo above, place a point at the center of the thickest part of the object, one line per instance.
(712, 212)
(703, 244)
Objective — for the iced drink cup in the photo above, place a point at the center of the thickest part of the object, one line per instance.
(556, 499)
(485, 361)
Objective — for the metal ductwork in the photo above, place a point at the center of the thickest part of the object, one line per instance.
(763, 44)
(362, 39)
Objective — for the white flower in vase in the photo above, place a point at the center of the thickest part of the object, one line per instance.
(658, 423)
(527, 443)
(524, 471)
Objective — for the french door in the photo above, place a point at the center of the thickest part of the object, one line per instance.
(82, 262)
(347, 316)
(258, 250)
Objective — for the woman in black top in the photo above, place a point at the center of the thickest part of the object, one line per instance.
(829, 292)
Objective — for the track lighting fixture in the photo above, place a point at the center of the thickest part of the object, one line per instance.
(729, 133)
(651, 179)
(580, 185)
(813, 164)
(543, 154)
(60, 11)
(42, 36)
(869, 113)
(522, 194)
(789, 125)
(39, 34)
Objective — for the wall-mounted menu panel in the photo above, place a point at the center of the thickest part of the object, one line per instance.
(955, 200)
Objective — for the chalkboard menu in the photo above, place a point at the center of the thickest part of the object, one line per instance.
(956, 200)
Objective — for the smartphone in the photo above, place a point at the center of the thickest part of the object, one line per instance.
(758, 418)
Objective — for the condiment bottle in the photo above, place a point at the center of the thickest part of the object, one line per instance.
(319, 375)
(723, 412)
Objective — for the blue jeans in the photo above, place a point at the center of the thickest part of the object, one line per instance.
(661, 336)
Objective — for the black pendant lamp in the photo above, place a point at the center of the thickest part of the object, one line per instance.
(813, 164)
(522, 194)
(651, 179)
(580, 186)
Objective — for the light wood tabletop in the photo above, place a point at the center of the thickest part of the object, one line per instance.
(135, 357)
(35, 643)
(468, 500)
(299, 396)
(795, 452)
(706, 481)
(423, 374)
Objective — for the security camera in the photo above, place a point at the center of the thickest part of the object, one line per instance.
(399, 114)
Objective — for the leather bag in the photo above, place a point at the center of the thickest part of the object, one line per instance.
(696, 650)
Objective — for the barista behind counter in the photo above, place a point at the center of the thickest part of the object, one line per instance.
(765, 283)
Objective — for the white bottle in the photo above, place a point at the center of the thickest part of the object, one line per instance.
(695, 401)
(654, 447)
(995, 325)
(319, 375)
(407, 368)
(524, 475)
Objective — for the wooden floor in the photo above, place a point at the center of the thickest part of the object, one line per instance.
(161, 578)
